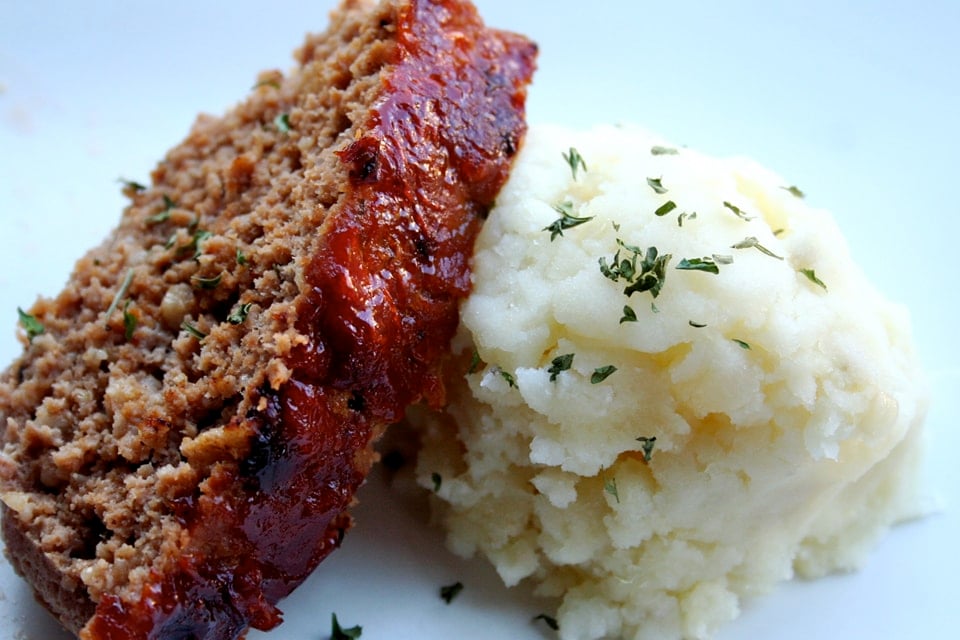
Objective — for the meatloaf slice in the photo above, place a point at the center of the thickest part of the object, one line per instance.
(191, 416)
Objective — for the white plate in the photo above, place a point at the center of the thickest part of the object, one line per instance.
(858, 107)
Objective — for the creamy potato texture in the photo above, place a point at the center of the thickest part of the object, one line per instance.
(688, 395)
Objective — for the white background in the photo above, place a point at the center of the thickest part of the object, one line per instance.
(856, 102)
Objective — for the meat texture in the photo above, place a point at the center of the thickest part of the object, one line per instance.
(182, 441)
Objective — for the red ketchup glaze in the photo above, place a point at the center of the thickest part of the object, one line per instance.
(380, 309)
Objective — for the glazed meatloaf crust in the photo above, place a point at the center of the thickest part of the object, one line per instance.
(191, 416)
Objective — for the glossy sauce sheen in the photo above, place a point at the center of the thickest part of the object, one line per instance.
(384, 286)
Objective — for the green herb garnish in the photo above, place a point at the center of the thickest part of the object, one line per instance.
(737, 211)
(566, 220)
(207, 283)
(812, 277)
(657, 150)
(647, 444)
(575, 160)
(665, 208)
(560, 364)
(437, 480)
(129, 321)
(649, 275)
(339, 633)
(198, 238)
(30, 324)
(602, 373)
(508, 377)
(610, 486)
(742, 344)
(794, 191)
(696, 325)
(686, 216)
(629, 315)
(120, 295)
(550, 621)
(656, 185)
(708, 265)
(239, 313)
(241, 258)
(451, 591)
(474, 361)
(753, 243)
(168, 206)
(131, 185)
(192, 330)
(652, 272)
(282, 123)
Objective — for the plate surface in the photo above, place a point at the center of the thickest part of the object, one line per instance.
(857, 107)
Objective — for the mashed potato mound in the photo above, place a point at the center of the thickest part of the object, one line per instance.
(651, 443)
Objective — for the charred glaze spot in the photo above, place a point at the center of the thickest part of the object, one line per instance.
(422, 247)
(267, 445)
(508, 144)
(363, 159)
(356, 402)
(265, 449)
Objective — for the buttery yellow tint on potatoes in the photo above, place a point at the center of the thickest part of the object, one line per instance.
(652, 459)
